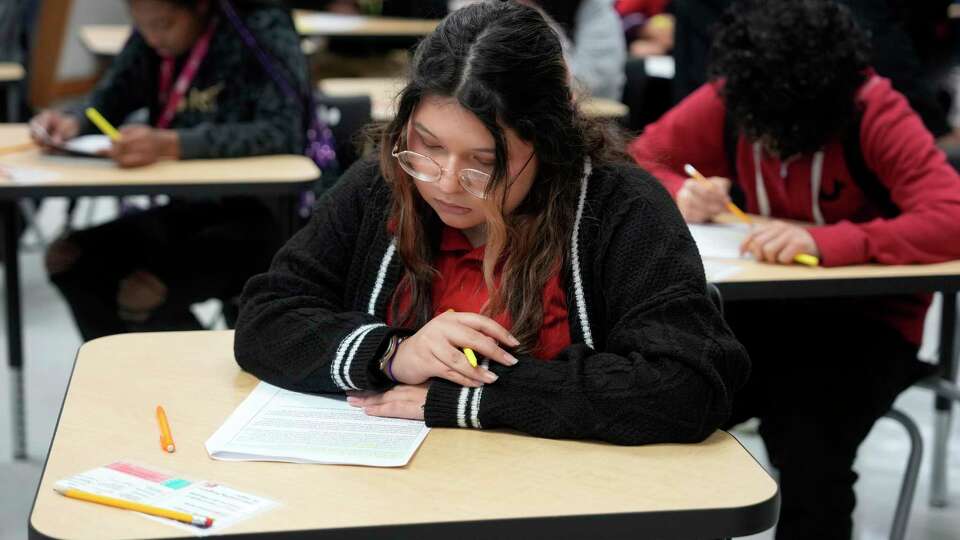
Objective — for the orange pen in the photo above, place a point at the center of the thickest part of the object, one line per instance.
(166, 438)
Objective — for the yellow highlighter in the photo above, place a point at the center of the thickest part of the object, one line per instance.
(102, 124)
(471, 357)
(468, 352)
(806, 259)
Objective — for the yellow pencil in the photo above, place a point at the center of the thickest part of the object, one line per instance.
(695, 174)
(468, 352)
(102, 124)
(199, 521)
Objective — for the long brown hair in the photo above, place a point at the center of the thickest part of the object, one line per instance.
(502, 62)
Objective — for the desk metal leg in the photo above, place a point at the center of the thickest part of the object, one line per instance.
(11, 264)
(943, 407)
(13, 102)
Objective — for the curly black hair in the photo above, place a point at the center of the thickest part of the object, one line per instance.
(791, 69)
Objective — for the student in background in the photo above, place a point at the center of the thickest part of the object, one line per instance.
(795, 125)
(593, 42)
(566, 267)
(907, 40)
(207, 97)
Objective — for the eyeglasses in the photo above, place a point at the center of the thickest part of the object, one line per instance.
(425, 169)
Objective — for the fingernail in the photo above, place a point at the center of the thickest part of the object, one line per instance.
(490, 376)
(515, 341)
(510, 358)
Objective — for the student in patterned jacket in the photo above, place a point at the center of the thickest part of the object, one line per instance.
(795, 126)
(207, 97)
(496, 217)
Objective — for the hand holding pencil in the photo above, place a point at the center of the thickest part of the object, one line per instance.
(438, 350)
(774, 242)
(51, 128)
(780, 242)
(701, 199)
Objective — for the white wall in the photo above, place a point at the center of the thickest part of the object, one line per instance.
(75, 60)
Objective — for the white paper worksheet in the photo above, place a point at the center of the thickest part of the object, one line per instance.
(719, 240)
(273, 424)
(88, 145)
(27, 175)
(718, 271)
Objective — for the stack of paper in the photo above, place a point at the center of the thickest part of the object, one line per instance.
(273, 424)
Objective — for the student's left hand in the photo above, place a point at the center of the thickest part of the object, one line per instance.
(143, 145)
(401, 401)
(779, 242)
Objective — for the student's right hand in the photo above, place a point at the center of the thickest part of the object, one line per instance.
(58, 126)
(699, 202)
(436, 350)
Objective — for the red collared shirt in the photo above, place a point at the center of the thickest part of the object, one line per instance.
(459, 286)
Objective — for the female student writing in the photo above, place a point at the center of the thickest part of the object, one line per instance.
(566, 267)
(206, 96)
(798, 128)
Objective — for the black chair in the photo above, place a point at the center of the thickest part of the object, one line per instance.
(346, 116)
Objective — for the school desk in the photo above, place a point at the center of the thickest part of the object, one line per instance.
(757, 281)
(108, 39)
(283, 176)
(460, 483)
(318, 23)
(104, 39)
(383, 91)
(10, 76)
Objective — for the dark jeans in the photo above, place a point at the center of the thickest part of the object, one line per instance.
(199, 250)
(823, 373)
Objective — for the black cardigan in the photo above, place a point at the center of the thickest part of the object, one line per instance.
(651, 358)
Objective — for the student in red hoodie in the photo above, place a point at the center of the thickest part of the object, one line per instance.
(795, 125)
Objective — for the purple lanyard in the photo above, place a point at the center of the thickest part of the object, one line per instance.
(320, 145)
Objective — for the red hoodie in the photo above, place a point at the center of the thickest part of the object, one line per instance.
(850, 230)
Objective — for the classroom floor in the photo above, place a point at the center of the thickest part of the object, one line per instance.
(52, 342)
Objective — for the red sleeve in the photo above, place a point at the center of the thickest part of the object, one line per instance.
(901, 152)
(691, 132)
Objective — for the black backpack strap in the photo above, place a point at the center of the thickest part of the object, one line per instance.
(731, 136)
(863, 177)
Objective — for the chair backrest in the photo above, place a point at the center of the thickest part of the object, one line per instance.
(346, 116)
